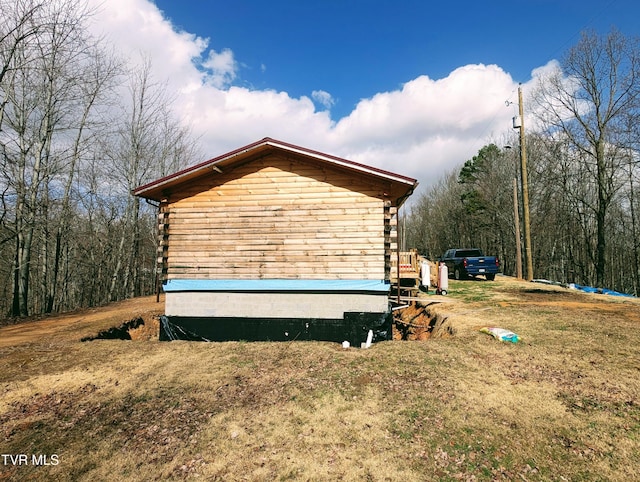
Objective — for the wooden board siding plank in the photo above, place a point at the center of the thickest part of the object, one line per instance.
(266, 230)
(282, 272)
(206, 239)
(249, 203)
(318, 222)
(324, 223)
(269, 197)
(279, 267)
(259, 256)
(255, 256)
(250, 276)
(317, 219)
(310, 216)
(322, 227)
(308, 249)
(275, 229)
(273, 204)
(245, 208)
(273, 244)
(275, 266)
(258, 239)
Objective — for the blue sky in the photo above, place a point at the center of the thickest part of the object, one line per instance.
(353, 49)
(413, 87)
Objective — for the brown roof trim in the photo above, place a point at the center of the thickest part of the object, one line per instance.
(266, 143)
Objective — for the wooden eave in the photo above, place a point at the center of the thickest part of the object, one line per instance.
(401, 187)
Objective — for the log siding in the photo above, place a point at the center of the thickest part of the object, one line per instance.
(278, 217)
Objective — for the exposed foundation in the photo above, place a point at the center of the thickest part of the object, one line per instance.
(272, 304)
(352, 327)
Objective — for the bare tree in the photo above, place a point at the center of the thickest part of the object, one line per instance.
(71, 151)
(47, 98)
(16, 29)
(585, 102)
(148, 143)
(94, 76)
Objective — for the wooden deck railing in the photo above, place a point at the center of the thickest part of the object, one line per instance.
(409, 262)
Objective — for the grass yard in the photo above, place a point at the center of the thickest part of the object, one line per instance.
(564, 404)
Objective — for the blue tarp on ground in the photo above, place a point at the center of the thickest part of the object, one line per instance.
(604, 291)
(586, 289)
(277, 285)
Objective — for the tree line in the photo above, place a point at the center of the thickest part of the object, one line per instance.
(583, 177)
(79, 129)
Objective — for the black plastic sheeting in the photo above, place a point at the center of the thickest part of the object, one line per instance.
(354, 328)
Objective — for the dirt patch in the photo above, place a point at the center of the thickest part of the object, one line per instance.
(149, 330)
(566, 299)
(84, 323)
(420, 321)
(546, 295)
(136, 329)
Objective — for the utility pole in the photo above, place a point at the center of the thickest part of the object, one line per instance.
(516, 210)
(516, 217)
(525, 190)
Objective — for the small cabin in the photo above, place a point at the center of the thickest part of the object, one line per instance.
(274, 241)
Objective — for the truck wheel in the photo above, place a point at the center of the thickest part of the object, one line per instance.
(457, 274)
(491, 277)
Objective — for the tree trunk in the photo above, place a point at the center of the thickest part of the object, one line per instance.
(634, 236)
(601, 215)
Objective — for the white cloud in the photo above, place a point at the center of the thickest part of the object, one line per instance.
(221, 68)
(549, 68)
(227, 119)
(551, 86)
(137, 27)
(429, 126)
(323, 98)
(426, 127)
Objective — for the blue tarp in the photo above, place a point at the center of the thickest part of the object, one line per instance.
(586, 289)
(604, 291)
(267, 285)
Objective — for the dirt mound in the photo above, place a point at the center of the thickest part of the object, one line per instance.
(139, 328)
(420, 321)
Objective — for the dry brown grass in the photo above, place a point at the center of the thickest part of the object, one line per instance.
(561, 405)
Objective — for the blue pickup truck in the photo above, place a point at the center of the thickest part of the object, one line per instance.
(466, 262)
